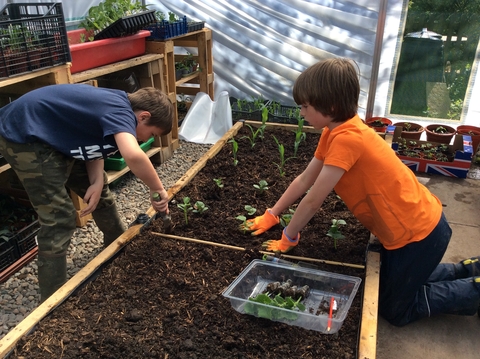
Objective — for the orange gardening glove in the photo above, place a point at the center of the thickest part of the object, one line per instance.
(261, 224)
(283, 245)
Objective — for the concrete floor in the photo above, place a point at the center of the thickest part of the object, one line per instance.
(443, 336)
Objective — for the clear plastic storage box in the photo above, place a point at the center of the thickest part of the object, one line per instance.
(325, 288)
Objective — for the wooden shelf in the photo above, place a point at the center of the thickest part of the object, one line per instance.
(117, 66)
(201, 81)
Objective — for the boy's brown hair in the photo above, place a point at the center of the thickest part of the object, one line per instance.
(331, 86)
(157, 103)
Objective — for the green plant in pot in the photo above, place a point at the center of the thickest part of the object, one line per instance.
(379, 124)
(440, 133)
(410, 130)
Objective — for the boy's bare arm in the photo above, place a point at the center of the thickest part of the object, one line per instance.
(142, 167)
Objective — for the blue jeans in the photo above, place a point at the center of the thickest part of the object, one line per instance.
(414, 285)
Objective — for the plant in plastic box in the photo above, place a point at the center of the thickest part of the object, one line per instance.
(115, 18)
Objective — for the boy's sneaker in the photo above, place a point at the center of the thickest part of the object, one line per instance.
(472, 266)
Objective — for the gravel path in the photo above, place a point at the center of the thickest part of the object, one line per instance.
(19, 294)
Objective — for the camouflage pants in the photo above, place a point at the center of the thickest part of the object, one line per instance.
(46, 175)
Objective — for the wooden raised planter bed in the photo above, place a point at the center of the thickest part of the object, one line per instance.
(180, 298)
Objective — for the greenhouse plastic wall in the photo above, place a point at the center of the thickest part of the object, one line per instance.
(260, 47)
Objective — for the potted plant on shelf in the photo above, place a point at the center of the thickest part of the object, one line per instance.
(473, 132)
(439, 133)
(379, 124)
(410, 130)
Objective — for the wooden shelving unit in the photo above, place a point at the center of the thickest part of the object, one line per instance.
(201, 81)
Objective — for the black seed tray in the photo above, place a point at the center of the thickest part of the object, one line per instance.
(127, 25)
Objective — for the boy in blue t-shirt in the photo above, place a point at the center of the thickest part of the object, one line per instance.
(56, 138)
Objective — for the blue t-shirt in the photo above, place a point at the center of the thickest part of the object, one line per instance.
(76, 120)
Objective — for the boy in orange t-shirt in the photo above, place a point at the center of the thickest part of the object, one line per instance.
(382, 193)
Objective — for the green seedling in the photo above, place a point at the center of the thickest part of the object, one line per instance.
(234, 151)
(269, 311)
(261, 187)
(218, 182)
(185, 207)
(253, 135)
(199, 207)
(250, 210)
(286, 218)
(299, 136)
(243, 226)
(264, 121)
(334, 231)
(283, 160)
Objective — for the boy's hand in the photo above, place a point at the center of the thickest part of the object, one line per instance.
(263, 223)
(283, 245)
(160, 205)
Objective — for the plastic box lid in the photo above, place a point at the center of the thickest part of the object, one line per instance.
(323, 287)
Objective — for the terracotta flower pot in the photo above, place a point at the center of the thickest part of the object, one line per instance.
(379, 124)
(434, 136)
(410, 130)
(473, 131)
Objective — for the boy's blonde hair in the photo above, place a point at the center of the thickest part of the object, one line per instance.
(157, 103)
(331, 86)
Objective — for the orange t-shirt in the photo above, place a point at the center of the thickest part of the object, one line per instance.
(382, 193)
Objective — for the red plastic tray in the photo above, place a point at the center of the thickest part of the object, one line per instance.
(91, 54)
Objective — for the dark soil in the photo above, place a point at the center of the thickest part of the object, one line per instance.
(162, 298)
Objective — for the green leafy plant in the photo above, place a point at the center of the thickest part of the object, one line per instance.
(253, 135)
(334, 231)
(283, 160)
(172, 17)
(250, 210)
(185, 207)
(243, 226)
(287, 217)
(107, 12)
(270, 311)
(264, 123)
(261, 187)
(218, 182)
(234, 150)
(199, 207)
(299, 136)
(440, 129)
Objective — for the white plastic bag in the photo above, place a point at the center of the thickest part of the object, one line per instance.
(207, 121)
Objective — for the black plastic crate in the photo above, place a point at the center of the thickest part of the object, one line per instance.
(25, 240)
(247, 110)
(8, 254)
(32, 36)
(284, 114)
(127, 25)
(164, 29)
(195, 26)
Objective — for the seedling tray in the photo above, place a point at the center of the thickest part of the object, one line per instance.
(165, 30)
(117, 162)
(195, 26)
(127, 25)
(324, 286)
